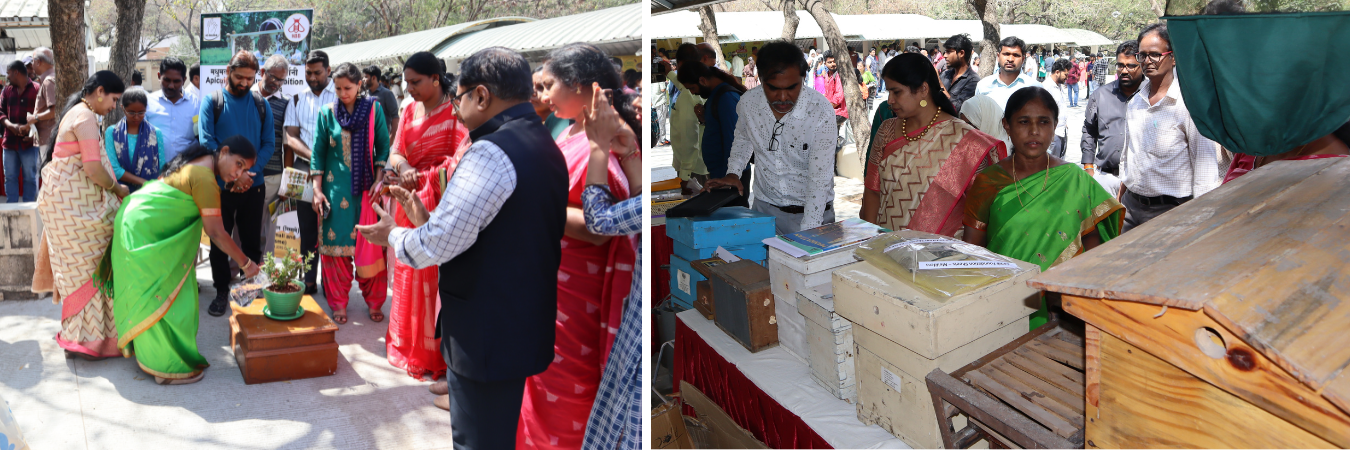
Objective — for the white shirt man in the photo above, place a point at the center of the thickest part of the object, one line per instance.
(304, 114)
(1165, 155)
(1055, 85)
(995, 88)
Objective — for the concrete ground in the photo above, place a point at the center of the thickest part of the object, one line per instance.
(75, 404)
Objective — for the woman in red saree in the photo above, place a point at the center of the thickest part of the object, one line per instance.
(424, 155)
(1329, 146)
(923, 159)
(595, 273)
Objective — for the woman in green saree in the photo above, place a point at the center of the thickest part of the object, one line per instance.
(1035, 207)
(149, 271)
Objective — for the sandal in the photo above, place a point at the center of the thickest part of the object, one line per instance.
(377, 316)
(84, 356)
(340, 316)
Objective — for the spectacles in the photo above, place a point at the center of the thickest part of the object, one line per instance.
(454, 101)
(133, 113)
(1152, 57)
(773, 140)
(1123, 66)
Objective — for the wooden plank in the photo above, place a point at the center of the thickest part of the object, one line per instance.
(1062, 345)
(1070, 338)
(991, 413)
(1048, 375)
(1093, 374)
(1075, 361)
(1050, 364)
(1037, 397)
(1242, 371)
(1147, 403)
(725, 432)
(1048, 327)
(1066, 398)
(1338, 391)
(1037, 413)
(1139, 266)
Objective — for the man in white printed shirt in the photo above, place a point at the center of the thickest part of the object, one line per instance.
(1166, 161)
(787, 130)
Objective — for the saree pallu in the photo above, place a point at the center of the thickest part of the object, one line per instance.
(431, 146)
(1049, 229)
(77, 218)
(151, 276)
(922, 184)
(593, 281)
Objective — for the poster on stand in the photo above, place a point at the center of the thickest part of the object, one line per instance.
(263, 33)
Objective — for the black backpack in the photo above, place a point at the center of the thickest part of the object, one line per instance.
(218, 106)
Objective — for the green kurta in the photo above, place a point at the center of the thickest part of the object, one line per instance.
(332, 158)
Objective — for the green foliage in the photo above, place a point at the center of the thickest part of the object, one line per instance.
(286, 272)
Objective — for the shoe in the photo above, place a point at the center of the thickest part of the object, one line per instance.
(219, 305)
(442, 402)
(440, 388)
(311, 288)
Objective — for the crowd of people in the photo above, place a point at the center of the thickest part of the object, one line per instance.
(513, 247)
(952, 153)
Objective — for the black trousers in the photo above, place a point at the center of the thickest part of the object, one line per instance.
(484, 414)
(245, 209)
(309, 239)
(1137, 213)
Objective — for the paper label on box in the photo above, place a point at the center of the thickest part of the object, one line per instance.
(915, 241)
(683, 279)
(931, 265)
(891, 379)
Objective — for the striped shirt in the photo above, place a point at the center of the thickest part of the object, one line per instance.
(1164, 151)
(304, 113)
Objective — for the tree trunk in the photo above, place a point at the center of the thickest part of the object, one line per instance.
(790, 20)
(126, 46)
(988, 13)
(72, 62)
(853, 99)
(708, 25)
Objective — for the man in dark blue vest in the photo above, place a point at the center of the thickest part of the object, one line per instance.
(497, 237)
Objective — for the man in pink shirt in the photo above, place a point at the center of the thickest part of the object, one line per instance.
(834, 91)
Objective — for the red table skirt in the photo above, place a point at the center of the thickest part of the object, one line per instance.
(699, 364)
(662, 247)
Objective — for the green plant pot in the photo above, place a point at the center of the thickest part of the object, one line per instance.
(283, 305)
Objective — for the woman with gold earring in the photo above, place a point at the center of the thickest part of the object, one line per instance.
(923, 159)
(78, 202)
(1033, 206)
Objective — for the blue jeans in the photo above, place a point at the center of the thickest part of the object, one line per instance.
(1073, 95)
(21, 164)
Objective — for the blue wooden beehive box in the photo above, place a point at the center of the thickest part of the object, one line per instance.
(737, 229)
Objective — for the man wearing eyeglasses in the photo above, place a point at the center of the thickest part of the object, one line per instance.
(1166, 162)
(274, 73)
(787, 130)
(1104, 118)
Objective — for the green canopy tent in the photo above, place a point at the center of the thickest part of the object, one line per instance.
(1244, 88)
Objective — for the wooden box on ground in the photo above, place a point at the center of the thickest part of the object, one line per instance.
(1027, 394)
(718, 428)
(891, 388)
(270, 350)
(829, 343)
(744, 307)
(1223, 322)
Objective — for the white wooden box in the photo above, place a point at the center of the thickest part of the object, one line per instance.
(929, 326)
(830, 338)
(891, 388)
(790, 275)
(791, 327)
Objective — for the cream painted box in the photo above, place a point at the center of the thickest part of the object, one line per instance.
(791, 327)
(891, 390)
(790, 274)
(830, 341)
(929, 326)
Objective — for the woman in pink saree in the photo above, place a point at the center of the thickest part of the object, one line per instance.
(596, 271)
(425, 153)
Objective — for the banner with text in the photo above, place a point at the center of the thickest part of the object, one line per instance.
(263, 33)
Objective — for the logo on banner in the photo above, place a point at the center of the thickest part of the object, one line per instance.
(297, 27)
(211, 29)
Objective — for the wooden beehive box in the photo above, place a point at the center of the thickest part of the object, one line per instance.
(790, 275)
(1223, 322)
(829, 339)
(738, 230)
(268, 350)
(704, 302)
(744, 307)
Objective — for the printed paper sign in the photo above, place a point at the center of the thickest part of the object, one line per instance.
(683, 279)
(933, 265)
(891, 379)
(263, 33)
(915, 241)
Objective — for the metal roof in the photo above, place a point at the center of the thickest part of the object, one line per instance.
(667, 6)
(1035, 34)
(405, 45)
(889, 27)
(617, 31)
(29, 38)
(733, 27)
(23, 13)
(1087, 37)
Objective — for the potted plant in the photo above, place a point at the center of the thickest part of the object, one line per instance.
(287, 288)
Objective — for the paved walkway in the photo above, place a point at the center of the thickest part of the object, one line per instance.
(76, 404)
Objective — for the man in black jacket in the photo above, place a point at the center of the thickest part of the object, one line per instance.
(497, 236)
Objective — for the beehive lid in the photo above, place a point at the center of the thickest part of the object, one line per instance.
(1265, 255)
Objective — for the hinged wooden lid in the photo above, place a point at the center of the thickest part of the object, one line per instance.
(743, 275)
(1265, 255)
